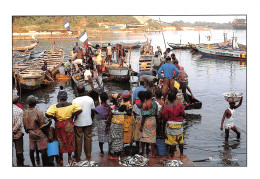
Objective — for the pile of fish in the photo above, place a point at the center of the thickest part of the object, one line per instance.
(172, 163)
(85, 163)
(134, 161)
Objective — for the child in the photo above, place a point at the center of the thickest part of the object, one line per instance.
(228, 120)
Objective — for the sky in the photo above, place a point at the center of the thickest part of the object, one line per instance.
(192, 19)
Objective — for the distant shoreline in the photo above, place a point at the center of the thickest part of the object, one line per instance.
(56, 34)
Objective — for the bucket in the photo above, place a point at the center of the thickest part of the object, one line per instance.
(161, 147)
(53, 148)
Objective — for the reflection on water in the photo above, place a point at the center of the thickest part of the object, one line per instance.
(208, 79)
(226, 155)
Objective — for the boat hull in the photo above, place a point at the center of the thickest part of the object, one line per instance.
(118, 72)
(225, 55)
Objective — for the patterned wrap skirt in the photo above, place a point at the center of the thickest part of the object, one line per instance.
(128, 129)
(116, 137)
(174, 133)
(148, 134)
(64, 132)
(137, 125)
(102, 135)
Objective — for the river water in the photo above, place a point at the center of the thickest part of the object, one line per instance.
(208, 79)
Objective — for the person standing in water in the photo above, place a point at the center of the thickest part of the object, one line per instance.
(228, 120)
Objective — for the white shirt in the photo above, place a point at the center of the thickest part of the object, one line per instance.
(109, 50)
(78, 61)
(84, 118)
(62, 70)
(87, 73)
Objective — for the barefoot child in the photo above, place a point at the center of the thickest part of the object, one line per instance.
(228, 120)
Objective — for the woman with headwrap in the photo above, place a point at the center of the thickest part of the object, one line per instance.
(115, 127)
(128, 118)
(63, 114)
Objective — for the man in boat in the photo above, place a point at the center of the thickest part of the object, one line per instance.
(159, 50)
(148, 78)
(78, 63)
(109, 53)
(228, 120)
(17, 132)
(167, 53)
(98, 60)
(88, 76)
(182, 78)
(44, 68)
(174, 59)
(62, 69)
(122, 56)
(83, 123)
(137, 90)
(76, 47)
(68, 67)
(168, 70)
(156, 61)
(117, 53)
(34, 124)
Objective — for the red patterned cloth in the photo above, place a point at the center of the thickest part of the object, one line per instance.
(65, 136)
(174, 114)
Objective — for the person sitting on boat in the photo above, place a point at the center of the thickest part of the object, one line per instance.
(228, 120)
(109, 53)
(168, 70)
(62, 69)
(137, 90)
(182, 78)
(156, 61)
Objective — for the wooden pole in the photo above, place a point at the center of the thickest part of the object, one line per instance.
(162, 33)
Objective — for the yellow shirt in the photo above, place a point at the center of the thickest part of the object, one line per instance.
(63, 113)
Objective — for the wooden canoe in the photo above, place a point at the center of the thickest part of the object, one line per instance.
(24, 48)
(179, 46)
(221, 54)
(195, 104)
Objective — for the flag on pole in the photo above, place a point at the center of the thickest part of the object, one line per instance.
(66, 24)
(83, 37)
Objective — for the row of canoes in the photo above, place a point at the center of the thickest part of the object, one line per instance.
(30, 76)
(216, 50)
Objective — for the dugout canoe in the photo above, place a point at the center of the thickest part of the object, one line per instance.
(30, 76)
(24, 48)
(195, 104)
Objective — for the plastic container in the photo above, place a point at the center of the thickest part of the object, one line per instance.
(232, 96)
(161, 147)
(53, 148)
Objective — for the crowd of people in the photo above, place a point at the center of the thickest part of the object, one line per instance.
(154, 111)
